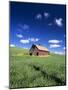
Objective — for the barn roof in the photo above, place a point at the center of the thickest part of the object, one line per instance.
(42, 48)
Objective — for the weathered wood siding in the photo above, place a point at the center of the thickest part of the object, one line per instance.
(35, 51)
(43, 52)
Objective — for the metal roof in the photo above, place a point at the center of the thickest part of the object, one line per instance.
(41, 48)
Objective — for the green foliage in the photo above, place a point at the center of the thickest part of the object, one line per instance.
(34, 71)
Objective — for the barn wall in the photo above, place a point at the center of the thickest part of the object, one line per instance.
(35, 51)
(43, 52)
(40, 52)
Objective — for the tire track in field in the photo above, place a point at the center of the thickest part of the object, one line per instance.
(45, 74)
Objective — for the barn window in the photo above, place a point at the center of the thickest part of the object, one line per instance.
(30, 53)
(37, 53)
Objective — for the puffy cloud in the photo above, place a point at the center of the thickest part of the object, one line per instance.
(12, 45)
(38, 16)
(37, 39)
(24, 41)
(46, 14)
(55, 41)
(34, 39)
(19, 35)
(60, 53)
(24, 26)
(54, 45)
(58, 22)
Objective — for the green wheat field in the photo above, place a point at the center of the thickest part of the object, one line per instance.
(34, 71)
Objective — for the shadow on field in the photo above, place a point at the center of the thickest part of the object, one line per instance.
(53, 76)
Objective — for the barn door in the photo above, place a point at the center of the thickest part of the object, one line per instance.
(37, 53)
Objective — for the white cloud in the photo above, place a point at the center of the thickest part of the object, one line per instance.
(24, 26)
(55, 41)
(54, 45)
(19, 35)
(58, 22)
(46, 14)
(33, 39)
(37, 39)
(38, 16)
(24, 41)
(12, 45)
(60, 53)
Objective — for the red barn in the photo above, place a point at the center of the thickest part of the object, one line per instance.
(38, 50)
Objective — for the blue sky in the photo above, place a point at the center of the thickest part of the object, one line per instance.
(43, 24)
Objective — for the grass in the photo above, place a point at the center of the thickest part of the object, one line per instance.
(33, 71)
